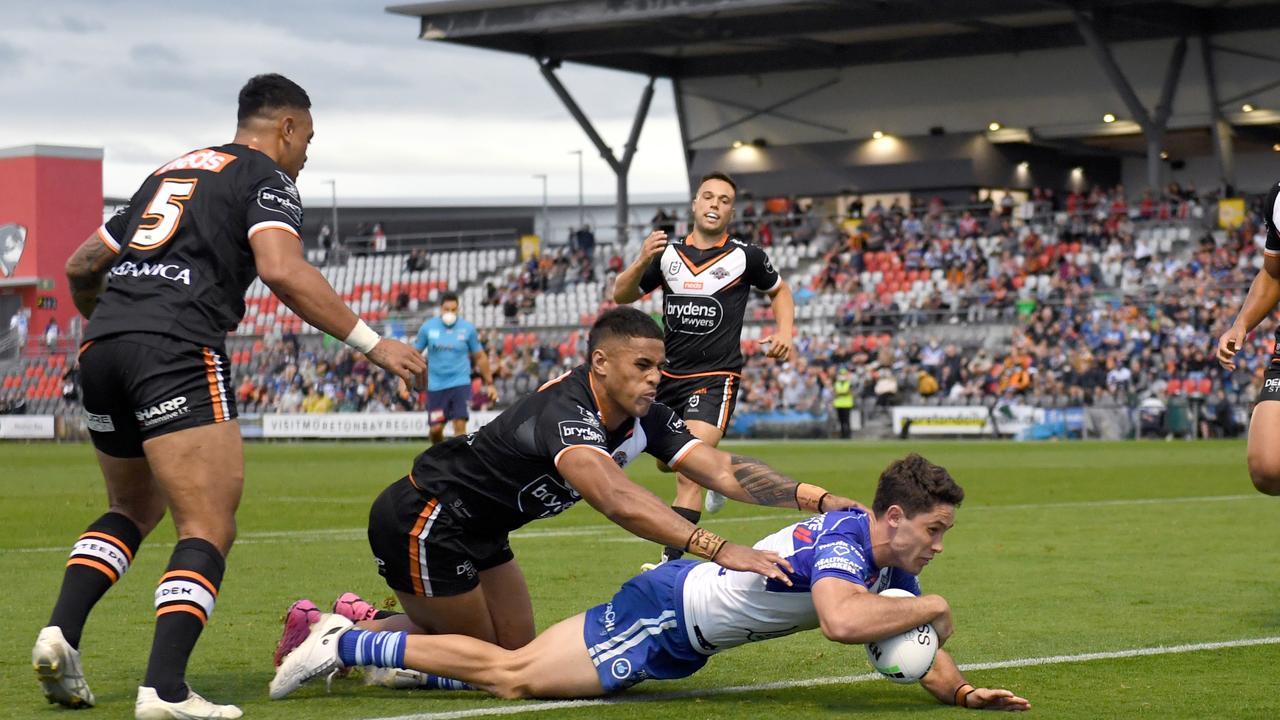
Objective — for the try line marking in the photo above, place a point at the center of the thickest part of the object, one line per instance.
(534, 706)
(527, 533)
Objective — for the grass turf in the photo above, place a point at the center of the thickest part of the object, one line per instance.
(1059, 549)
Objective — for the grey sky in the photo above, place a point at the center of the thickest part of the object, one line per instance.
(395, 117)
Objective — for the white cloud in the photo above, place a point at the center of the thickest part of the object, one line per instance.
(395, 116)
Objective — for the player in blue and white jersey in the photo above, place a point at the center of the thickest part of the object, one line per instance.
(666, 623)
(451, 346)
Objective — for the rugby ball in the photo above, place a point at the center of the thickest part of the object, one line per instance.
(905, 657)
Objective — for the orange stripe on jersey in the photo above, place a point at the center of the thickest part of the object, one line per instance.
(596, 396)
(702, 374)
(101, 567)
(211, 374)
(697, 269)
(719, 243)
(191, 575)
(415, 570)
(724, 404)
(85, 346)
(112, 539)
(554, 380)
(183, 608)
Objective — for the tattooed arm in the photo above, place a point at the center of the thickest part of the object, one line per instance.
(750, 480)
(87, 273)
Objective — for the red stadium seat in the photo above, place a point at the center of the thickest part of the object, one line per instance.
(1174, 386)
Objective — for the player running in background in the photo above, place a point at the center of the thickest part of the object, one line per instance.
(666, 623)
(162, 283)
(452, 347)
(706, 279)
(440, 534)
(1264, 427)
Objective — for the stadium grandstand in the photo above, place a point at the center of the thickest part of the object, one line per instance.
(1057, 257)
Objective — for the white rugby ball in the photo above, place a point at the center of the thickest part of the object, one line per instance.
(905, 657)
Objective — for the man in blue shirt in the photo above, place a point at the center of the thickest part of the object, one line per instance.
(666, 623)
(451, 347)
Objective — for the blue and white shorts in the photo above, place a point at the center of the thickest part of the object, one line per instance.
(640, 633)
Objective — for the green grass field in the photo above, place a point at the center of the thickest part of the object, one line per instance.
(1059, 550)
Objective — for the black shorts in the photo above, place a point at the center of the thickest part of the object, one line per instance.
(448, 404)
(709, 397)
(138, 386)
(1271, 380)
(424, 549)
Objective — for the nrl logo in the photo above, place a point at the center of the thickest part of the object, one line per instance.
(13, 239)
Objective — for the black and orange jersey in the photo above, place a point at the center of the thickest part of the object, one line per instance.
(704, 298)
(183, 257)
(506, 474)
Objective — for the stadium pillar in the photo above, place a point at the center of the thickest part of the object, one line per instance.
(1153, 127)
(1223, 148)
(621, 166)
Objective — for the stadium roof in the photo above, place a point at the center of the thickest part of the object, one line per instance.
(700, 38)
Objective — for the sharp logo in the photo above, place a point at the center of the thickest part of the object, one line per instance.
(575, 432)
(693, 314)
(13, 240)
(163, 412)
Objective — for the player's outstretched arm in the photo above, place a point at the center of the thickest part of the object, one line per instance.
(626, 288)
(299, 285)
(749, 480)
(607, 489)
(1263, 295)
(86, 272)
(849, 613)
(945, 682)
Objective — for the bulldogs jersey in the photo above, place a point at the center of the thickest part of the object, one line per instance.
(704, 299)
(183, 257)
(505, 474)
(726, 608)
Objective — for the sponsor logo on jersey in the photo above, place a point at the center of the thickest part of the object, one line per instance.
(621, 668)
(288, 186)
(467, 569)
(545, 497)
(838, 563)
(1271, 384)
(589, 417)
(576, 432)
(279, 200)
(719, 273)
(621, 458)
(99, 423)
(802, 534)
(693, 401)
(879, 581)
(163, 412)
(13, 239)
(693, 314)
(168, 271)
(609, 617)
(768, 267)
(208, 159)
(676, 424)
(694, 285)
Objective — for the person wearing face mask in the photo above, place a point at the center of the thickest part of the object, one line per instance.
(451, 347)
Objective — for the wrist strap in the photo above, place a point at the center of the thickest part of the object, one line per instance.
(362, 337)
(704, 543)
(809, 497)
(962, 694)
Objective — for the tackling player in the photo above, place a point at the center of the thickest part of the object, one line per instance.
(1264, 427)
(440, 534)
(452, 347)
(666, 623)
(706, 279)
(162, 283)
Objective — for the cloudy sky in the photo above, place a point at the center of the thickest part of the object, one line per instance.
(395, 117)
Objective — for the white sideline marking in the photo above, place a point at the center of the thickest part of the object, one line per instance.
(535, 706)
(327, 534)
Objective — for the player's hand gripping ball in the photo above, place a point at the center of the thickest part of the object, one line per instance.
(905, 657)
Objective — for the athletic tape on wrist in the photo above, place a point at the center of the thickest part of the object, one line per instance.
(962, 694)
(362, 337)
(704, 544)
(809, 497)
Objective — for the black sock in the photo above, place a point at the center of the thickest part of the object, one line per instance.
(184, 602)
(98, 560)
(693, 516)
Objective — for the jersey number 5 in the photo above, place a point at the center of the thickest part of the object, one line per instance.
(162, 214)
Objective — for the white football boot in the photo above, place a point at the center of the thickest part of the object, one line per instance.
(316, 656)
(713, 502)
(395, 678)
(57, 666)
(149, 706)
